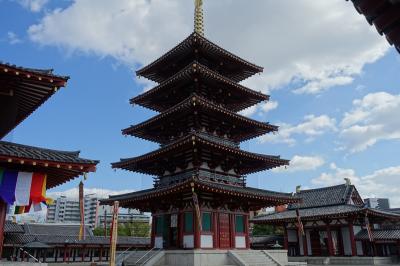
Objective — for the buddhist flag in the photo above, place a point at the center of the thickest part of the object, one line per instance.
(7, 188)
(23, 188)
(299, 223)
(369, 231)
(37, 207)
(19, 209)
(38, 181)
(197, 210)
(82, 212)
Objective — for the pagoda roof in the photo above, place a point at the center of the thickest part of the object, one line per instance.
(237, 68)
(264, 198)
(384, 15)
(150, 129)
(251, 162)
(60, 166)
(155, 98)
(32, 87)
(325, 212)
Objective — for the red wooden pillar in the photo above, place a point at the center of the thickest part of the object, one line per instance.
(285, 238)
(232, 230)
(215, 230)
(3, 212)
(101, 253)
(83, 253)
(330, 242)
(65, 254)
(153, 230)
(196, 231)
(352, 240)
(246, 230)
(181, 226)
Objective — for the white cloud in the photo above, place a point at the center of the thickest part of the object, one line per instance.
(13, 38)
(301, 163)
(311, 127)
(319, 44)
(74, 192)
(372, 119)
(33, 5)
(261, 109)
(381, 183)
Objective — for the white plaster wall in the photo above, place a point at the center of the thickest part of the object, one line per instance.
(308, 242)
(346, 241)
(240, 242)
(188, 241)
(206, 241)
(292, 235)
(158, 242)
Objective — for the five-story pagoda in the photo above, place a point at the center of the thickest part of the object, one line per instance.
(200, 198)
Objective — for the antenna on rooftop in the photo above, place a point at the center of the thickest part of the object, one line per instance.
(198, 17)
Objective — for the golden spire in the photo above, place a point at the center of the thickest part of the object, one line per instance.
(198, 17)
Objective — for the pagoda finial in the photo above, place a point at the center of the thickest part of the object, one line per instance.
(198, 17)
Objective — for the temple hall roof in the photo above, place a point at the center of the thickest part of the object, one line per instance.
(384, 15)
(60, 166)
(30, 87)
(379, 234)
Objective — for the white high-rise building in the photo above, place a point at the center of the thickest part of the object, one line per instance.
(66, 210)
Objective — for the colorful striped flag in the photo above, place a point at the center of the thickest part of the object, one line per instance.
(37, 187)
(197, 210)
(23, 188)
(82, 212)
(7, 188)
(19, 209)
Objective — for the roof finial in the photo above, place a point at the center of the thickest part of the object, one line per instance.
(198, 17)
(348, 182)
(298, 189)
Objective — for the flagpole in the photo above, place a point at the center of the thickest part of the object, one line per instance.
(114, 234)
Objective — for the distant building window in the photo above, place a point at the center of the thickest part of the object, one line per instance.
(239, 224)
(206, 222)
(188, 222)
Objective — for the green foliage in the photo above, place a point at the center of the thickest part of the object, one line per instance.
(136, 229)
(266, 229)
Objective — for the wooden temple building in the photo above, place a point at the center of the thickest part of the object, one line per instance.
(200, 198)
(22, 91)
(384, 15)
(332, 221)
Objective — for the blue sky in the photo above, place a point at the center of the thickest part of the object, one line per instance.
(334, 84)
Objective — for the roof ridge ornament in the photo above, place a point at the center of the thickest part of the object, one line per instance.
(198, 17)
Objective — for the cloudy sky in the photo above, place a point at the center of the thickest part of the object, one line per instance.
(334, 84)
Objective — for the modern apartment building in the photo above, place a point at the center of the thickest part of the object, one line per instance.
(66, 210)
(377, 203)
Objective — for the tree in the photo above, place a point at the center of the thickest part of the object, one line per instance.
(134, 228)
(266, 229)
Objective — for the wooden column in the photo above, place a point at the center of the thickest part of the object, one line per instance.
(181, 227)
(330, 242)
(285, 238)
(246, 230)
(153, 230)
(3, 212)
(352, 240)
(65, 254)
(215, 229)
(232, 231)
(101, 253)
(196, 231)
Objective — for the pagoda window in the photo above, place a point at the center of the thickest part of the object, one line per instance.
(239, 224)
(188, 222)
(206, 222)
(159, 225)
